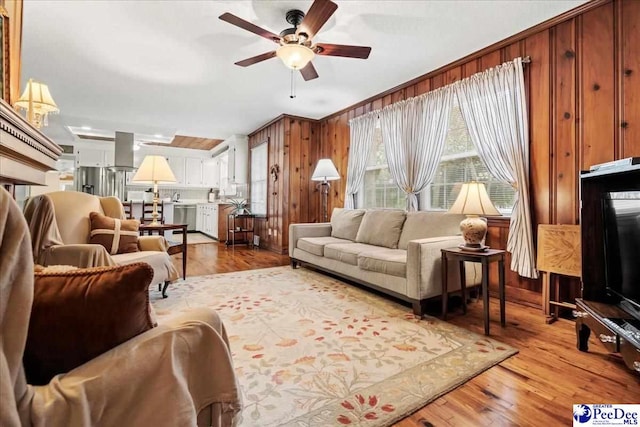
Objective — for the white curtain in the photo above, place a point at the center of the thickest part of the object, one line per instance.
(494, 108)
(361, 130)
(413, 133)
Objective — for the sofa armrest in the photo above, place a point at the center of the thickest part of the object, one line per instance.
(298, 231)
(79, 255)
(152, 243)
(186, 358)
(424, 271)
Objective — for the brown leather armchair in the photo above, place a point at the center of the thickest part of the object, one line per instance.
(177, 374)
(60, 229)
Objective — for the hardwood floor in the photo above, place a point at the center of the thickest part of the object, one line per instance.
(536, 387)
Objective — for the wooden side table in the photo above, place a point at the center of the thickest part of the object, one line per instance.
(484, 257)
(173, 249)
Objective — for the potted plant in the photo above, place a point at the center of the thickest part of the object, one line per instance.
(239, 206)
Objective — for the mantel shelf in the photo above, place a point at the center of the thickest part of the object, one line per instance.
(25, 152)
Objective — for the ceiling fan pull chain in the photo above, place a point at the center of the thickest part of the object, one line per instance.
(293, 86)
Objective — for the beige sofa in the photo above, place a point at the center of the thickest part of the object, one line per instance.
(393, 251)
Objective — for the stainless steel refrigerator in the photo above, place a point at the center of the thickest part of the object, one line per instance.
(101, 181)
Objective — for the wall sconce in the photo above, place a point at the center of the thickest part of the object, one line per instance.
(36, 100)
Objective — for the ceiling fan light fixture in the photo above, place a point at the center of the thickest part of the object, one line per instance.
(295, 56)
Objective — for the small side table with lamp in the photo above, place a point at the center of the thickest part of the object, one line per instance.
(474, 201)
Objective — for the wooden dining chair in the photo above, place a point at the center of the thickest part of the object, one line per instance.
(147, 210)
(128, 209)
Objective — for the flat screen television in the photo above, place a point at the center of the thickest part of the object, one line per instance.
(621, 215)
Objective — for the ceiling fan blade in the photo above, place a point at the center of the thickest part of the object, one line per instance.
(309, 72)
(347, 51)
(256, 59)
(246, 25)
(318, 14)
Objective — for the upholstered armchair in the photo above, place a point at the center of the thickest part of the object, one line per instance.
(61, 231)
(179, 373)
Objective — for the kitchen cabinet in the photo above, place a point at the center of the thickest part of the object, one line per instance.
(96, 157)
(207, 219)
(225, 183)
(238, 161)
(211, 173)
(177, 166)
(223, 210)
(193, 171)
(233, 165)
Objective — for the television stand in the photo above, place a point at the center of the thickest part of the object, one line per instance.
(616, 329)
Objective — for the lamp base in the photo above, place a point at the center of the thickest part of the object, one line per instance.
(473, 229)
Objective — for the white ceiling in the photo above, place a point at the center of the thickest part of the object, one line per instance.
(160, 67)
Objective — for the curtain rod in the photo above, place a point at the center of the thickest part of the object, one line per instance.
(525, 60)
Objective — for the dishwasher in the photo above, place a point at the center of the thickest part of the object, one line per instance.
(185, 214)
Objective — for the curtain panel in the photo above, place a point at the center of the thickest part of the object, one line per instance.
(494, 107)
(413, 134)
(361, 130)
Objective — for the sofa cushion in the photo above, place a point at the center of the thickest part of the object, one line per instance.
(346, 252)
(381, 227)
(315, 245)
(346, 222)
(118, 236)
(383, 260)
(424, 224)
(80, 314)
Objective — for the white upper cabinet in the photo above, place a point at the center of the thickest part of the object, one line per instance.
(193, 172)
(177, 167)
(211, 173)
(233, 164)
(238, 160)
(223, 162)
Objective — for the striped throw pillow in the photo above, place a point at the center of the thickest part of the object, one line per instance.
(118, 236)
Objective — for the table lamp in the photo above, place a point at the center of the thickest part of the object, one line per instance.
(36, 100)
(325, 171)
(473, 201)
(154, 169)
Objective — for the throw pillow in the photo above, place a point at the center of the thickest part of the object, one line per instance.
(345, 223)
(381, 227)
(118, 236)
(80, 314)
(424, 224)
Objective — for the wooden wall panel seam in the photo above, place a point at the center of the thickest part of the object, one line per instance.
(618, 58)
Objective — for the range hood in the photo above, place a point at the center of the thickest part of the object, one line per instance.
(123, 156)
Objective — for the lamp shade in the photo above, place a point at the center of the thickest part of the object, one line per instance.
(295, 56)
(325, 171)
(40, 97)
(154, 169)
(473, 200)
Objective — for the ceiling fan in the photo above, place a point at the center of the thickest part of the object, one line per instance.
(296, 48)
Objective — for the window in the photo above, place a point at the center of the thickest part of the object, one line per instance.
(259, 178)
(460, 163)
(379, 188)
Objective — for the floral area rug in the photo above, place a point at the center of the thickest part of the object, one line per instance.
(310, 350)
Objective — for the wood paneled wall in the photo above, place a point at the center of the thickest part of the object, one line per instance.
(584, 108)
(293, 146)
